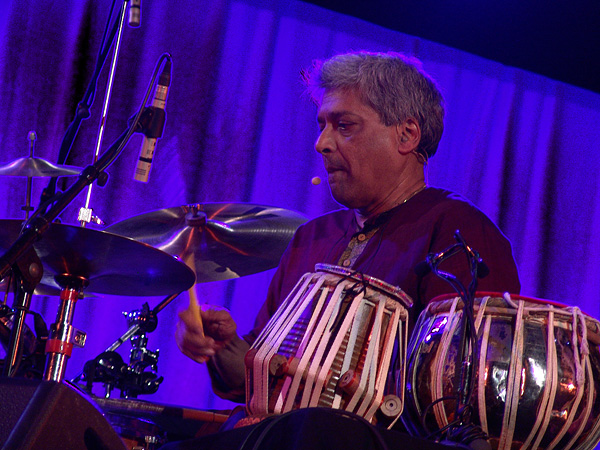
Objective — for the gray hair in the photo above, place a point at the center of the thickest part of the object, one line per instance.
(393, 84)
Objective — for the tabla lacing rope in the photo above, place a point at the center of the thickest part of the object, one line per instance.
(551, 380)
(513, 379)
(323, 331)
(480, 312)
(437, 387)
(585, 350)
(332, 351)
(402, 347)
(482, 381)
(577, 318)
(545, 396)
(310, 335)
(593, 434)
(482, 360)
(371, 362)
(279, 333)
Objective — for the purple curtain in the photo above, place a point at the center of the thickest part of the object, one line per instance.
(520, 146)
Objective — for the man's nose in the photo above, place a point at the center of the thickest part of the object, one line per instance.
(325, 142)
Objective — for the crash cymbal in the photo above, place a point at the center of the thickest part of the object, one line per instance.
(218, 240)
(113, 264)
(36, 167)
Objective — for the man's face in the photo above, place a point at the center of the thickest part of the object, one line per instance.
(359, 152)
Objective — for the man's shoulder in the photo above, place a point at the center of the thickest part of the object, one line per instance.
(438, 200)
(440, 196)
(334, 218)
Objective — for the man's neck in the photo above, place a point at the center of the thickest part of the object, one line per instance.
(364, 215)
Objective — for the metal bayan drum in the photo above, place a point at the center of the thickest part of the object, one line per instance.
(537, 372)
(330, 344)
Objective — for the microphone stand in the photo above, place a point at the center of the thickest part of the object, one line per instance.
(462, 429)
(85, 212)
(83, 108)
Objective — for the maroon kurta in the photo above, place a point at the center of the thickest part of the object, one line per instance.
(406, 235)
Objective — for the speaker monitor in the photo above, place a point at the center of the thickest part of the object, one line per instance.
(48, 415)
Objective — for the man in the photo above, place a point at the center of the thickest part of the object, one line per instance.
(380, 119)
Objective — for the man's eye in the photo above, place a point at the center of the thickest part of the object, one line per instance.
(344, 125)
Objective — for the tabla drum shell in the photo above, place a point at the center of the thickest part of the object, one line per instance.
(330, 344)
(536, 372)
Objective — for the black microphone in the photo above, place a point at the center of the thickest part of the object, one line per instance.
(422, 269)
(135, 13)
(433, 259)
(157, 116)
(482, 269)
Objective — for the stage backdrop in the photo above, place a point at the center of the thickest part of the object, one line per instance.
(520, 146)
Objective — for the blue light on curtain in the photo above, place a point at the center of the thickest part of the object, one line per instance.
(520, 146)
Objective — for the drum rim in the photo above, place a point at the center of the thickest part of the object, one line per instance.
(374, 282)
(479, 294)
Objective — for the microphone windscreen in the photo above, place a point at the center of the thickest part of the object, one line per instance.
(422, 269)
(482, 269)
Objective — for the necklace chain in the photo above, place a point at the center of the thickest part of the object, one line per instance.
(412, 195)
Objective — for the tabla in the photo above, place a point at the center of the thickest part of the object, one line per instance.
(330, 344)
(537, 372)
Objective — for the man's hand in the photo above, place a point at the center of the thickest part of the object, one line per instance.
(201, 334)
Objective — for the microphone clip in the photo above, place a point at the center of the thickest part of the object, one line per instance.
(152, 122)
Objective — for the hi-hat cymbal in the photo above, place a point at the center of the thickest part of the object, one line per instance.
(36, 167)
(218, 240)
(112, 264)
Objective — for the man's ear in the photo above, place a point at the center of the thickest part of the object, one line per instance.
(409, 136)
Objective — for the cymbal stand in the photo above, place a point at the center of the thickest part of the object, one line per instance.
(63, 336)
(28, 208)
(27, 273)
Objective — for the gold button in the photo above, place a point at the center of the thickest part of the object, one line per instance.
(346, 263)
(361, 237)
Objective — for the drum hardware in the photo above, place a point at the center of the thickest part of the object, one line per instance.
(242, 239)
(140, 375)
(63, 336)
(109, 368)
(27, 273)
(461, 429)
(30, 350)
(77, 259)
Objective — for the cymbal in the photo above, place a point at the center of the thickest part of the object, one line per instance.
(112, 264)
(218, 240)
(36, 167)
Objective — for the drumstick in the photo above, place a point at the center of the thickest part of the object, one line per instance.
(194, 307)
